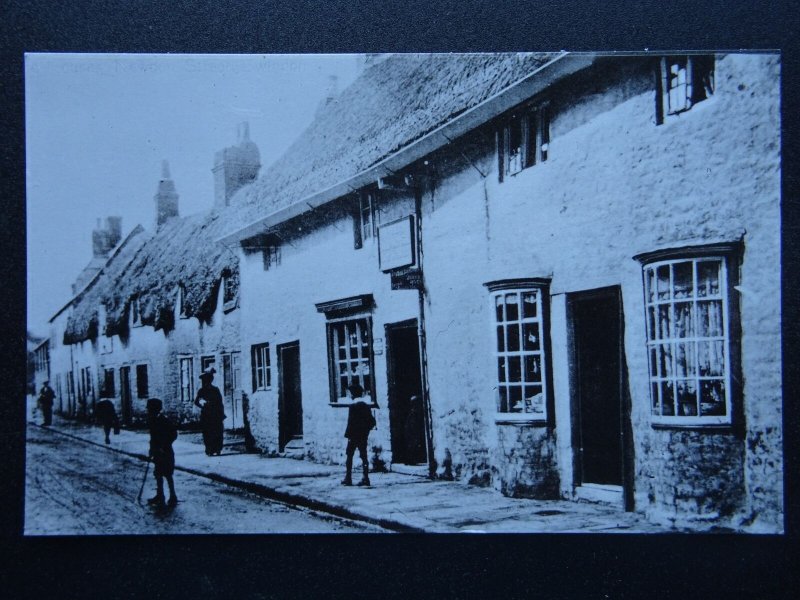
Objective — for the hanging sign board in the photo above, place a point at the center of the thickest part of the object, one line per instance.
(396, 244)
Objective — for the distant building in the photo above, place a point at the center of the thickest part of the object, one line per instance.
(161, 308)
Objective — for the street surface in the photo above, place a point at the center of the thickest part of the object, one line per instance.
(75, 488)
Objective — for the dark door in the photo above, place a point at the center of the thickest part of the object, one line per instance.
(125, 394)
(598, 353)
(290, 404)
(406, 408)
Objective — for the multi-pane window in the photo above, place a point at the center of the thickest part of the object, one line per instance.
(186, 379)
(520, 353)
(366, 210)
(688, 340)
(350, 355)
(108, 383)
(142, 385)
(230, 287)
(259, 361)
(684, 81)
(231, 373)
(524, 140)
(271, 254)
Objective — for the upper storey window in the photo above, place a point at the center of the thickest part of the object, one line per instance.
(523, 140)
(683, 81)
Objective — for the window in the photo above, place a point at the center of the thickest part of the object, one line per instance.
(520, 357)
(272, 254)
(142, 385)
(523, 140)
(184, 307)
(136, 314)
(230, 288)
(231, 373)
(689, 339)
(187, 379)
(683, 81)
(262, 376)
(350, 357)
(108, 383)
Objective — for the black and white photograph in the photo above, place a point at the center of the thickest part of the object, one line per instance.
(446, 293)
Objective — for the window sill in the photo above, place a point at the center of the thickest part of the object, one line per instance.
(520, 419)
(695, 426)
(230, 305)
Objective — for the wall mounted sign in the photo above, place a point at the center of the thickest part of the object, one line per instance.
(396, 244)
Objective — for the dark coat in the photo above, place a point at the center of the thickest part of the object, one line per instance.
(46, 397)
(162, 433)
(104, 412)
(213, 411)
(359, 422)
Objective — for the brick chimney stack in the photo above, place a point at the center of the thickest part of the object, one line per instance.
(166, 197)
(235, 167)
(105, 238)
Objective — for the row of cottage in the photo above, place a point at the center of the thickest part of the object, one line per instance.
(569, 262)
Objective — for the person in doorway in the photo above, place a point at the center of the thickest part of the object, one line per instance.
(46, 397)
(359, 423)
(162, 433)
(106, 416)
(212, 413)
(414, 428)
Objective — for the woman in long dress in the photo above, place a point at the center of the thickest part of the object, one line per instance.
(212, 413)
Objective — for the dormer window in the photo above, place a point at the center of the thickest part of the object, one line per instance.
(365, 219)
(230, 291)
(272, 254)
(183, 307)
(523, 140)
(136, 313)
(683, 81)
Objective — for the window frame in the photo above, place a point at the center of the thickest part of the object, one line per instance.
(501, 289)
(188, 397)
(697, 70)
(139, 385)
(727, 255)
(260, 362)
(108, 389)
(531, 123)
(136, 313)
(334, 362)
(231, 364)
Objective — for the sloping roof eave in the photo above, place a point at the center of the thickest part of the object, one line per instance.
(563, 65)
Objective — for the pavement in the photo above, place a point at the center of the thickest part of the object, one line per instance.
(395, 501)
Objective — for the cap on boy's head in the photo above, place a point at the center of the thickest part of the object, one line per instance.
(154, 405)
(355, 389)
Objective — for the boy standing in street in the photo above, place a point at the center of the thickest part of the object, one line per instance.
(162, 433)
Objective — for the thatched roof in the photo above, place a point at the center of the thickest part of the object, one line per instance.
(181, 253)
(392, 104)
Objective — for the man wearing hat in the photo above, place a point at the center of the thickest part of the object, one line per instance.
(162, 433)
(359, 423)
(212, 413)
(46, 397)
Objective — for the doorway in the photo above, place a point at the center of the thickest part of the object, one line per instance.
(601, 403)
(406, 403)
(125, 394)
(290, 402)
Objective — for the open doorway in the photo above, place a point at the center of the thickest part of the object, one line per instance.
(290, 399)
(601, 403)
(406, 403)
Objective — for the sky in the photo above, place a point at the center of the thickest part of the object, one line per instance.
(98, 127)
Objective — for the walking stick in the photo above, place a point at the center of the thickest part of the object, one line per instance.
(144, 479)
